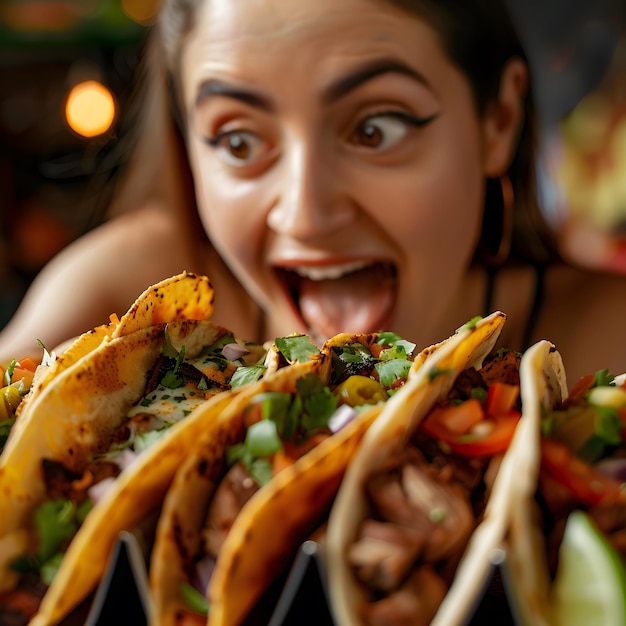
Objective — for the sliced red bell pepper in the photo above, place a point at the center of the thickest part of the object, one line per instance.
(488, 436)
(501, 398)
(577, 476)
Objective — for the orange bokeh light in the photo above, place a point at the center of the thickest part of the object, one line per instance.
(141, 11)
(90, 109)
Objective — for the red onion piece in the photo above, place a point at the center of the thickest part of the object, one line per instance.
(204, 571)
(341, 417)
(126, 458)
(612, 468)
(96, 492)
(233, 351)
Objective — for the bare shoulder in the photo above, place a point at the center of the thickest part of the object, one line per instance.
(99, 274)
(121, 258)
(583, 314)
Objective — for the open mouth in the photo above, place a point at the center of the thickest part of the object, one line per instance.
(354, 297)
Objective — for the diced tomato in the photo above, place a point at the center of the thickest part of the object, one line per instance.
(581, 387)
(501, 398)
(499, 431)
(455, 419)
(24, 370)
(291, 452)
(187, 618)
(486, 436)
(281, 461)
(579, 477)
(296, 451)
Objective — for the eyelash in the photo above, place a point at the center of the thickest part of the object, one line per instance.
(417, 122)
(217, 142)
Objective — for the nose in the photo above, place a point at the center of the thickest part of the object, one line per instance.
(311, 199)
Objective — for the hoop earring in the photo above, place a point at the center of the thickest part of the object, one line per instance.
(497, 227)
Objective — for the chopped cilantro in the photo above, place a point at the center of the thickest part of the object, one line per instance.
(49, 569)
(392, 370)
(355, 353)
(236, 453)
(24, 564)
(438, 372)
(296, 348)
(284, 417)
(5, 429)
(395, 352)
(147, 439)
(290, 427)
(262, 439)
(168, 349)
(275, 407)
(8, 375)
(147, 401)
(318, 402)
(392, 339)
(480, 393)
(261, 471)
(55, 522)
(245, 375)
(469, 325)
(604, 378)
(608, 425)
(171, 380)
(196, 601)
(83, 509)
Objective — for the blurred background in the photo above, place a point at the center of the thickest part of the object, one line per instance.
(66, 71)
(67, 68)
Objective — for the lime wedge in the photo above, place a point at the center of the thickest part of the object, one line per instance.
(590, 583)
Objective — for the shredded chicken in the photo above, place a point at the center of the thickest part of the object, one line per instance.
(235, 489)
(422, 520)
(414, 604)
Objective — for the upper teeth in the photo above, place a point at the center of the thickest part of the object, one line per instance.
(329, 272)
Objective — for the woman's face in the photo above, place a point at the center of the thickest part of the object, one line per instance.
(338, 160)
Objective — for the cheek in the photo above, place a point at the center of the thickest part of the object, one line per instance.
(230, 212)
(428, 215)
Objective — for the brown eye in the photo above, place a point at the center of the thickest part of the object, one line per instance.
(238, 147)
(370, 135)
(380, 132)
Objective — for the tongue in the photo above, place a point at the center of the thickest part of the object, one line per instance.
(358, 302)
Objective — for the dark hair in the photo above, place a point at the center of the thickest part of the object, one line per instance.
(479, 38)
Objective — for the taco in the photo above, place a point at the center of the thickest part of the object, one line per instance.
(423, 503)
(95, 449)
(185, 296)
(263, 478)
(18, 379)
(575, 455)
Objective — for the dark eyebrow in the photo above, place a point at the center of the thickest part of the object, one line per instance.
(219, 88)
(369, 71)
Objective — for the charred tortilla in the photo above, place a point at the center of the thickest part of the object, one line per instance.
(413, 524)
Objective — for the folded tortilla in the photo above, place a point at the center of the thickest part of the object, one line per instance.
(128, 403)
(261, 535)
(571, 459)
(445, 557)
